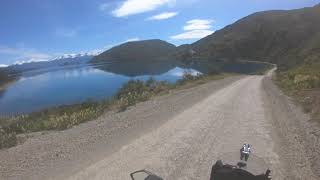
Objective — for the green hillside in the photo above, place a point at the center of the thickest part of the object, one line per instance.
(137, 50)
(284, 37)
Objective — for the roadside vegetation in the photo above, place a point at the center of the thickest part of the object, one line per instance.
(64, 117)
(58, 118)
(303, 83)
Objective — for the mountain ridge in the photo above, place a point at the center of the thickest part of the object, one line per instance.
(154, 49)
(283, 37)
(64, 60)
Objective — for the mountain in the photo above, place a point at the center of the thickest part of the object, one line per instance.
(65, 60)
(137, 50)
(284, 37)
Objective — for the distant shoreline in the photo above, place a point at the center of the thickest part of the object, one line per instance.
(5, 85)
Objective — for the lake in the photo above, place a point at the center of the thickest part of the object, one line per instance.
(35, 90)
(45, 88)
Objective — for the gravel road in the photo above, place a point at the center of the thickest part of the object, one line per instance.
(178, 136)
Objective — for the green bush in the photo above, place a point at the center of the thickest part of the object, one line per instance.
(303, 83)
(303, 77)
(189, 76)
(132, 92)
(135, 91)
(7, 138)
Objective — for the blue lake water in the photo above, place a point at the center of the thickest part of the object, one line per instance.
(34, 91)
(45, 88)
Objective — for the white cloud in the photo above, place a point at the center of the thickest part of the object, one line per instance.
(197, 24)
(27, 61)
(24, 54)
(121, 42)
(38, 56)
(131, 7)
(195, 29)
(3, 65)
(95, 52)
(28, 57)
(195, 34)
(107, 47)
(162, 16)
(131, 39)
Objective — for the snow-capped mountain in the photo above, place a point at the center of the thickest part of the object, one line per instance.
(72, 56)
(64, 60)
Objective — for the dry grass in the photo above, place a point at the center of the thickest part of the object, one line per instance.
(303, 83)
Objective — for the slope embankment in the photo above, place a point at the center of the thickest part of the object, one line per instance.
(300, 137)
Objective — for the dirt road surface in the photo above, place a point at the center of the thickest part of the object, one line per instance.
(177, 136)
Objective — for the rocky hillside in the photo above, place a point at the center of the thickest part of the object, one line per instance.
(137, 50)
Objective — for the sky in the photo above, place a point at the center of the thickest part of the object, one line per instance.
(37, 30)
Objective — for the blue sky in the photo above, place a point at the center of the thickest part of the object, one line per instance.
(33, 30)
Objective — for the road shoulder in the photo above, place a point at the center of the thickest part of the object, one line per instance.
(298, 142)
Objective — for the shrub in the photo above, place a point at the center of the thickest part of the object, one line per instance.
(131, 89)
(7, 138)
(135, 91)
(189, 76)
(303, 77)
(132, 92)
(303, 84)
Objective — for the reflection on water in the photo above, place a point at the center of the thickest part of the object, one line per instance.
(133, 69)
(43, 89)
(33, 92)
(207, 66)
